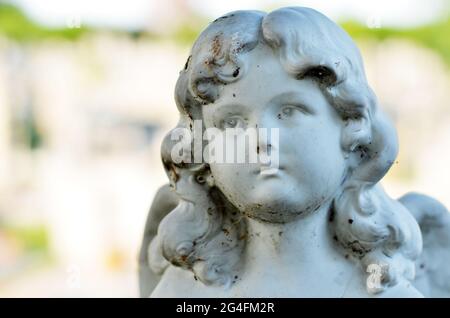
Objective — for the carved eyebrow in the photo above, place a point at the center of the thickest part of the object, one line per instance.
(294, 99)
(231, 108)
(219, 111)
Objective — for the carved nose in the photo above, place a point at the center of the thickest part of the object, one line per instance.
(264, 147)
(265, 137)
(268, 138)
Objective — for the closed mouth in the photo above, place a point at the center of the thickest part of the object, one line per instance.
(267, 170)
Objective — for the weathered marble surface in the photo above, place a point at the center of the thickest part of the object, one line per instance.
(321, 224)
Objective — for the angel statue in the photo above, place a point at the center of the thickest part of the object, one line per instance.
(308, 217)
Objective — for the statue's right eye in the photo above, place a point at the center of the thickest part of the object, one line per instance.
(233, 122)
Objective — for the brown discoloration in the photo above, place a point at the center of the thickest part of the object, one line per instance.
(187, 62)
(358, 248)
(216, 45)
(223, 18)
(172, 171)
(236, 72)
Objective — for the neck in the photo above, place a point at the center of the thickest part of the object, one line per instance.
(306, 239)
(297, 258)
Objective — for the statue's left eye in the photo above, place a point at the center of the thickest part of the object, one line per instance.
(233, 122)
(289, 111)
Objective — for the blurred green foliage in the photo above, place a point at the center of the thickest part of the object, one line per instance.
(31, 238)
(15, 25)
(435, 36)
(26, 131)
(186, 34)
(188, 30)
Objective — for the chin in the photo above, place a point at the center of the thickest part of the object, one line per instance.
(273, 208)
(273, 204)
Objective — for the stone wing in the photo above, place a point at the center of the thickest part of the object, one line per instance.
(433, 266)
(165, 201)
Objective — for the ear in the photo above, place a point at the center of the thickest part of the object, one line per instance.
(372, 146)
(356, 137)
(210, 179)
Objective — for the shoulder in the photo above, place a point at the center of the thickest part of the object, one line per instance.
(177, 282)
(404, 289)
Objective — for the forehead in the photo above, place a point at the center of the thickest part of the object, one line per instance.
(263, 80)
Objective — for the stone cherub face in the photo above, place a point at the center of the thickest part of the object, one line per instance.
(295, 70)
(311, 161)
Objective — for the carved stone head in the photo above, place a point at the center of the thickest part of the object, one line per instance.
(297, 71)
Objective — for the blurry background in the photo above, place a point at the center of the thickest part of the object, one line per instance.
(86, 95)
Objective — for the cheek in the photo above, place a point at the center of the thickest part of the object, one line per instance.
(233, 181)
(231, 177)
(319, 163)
